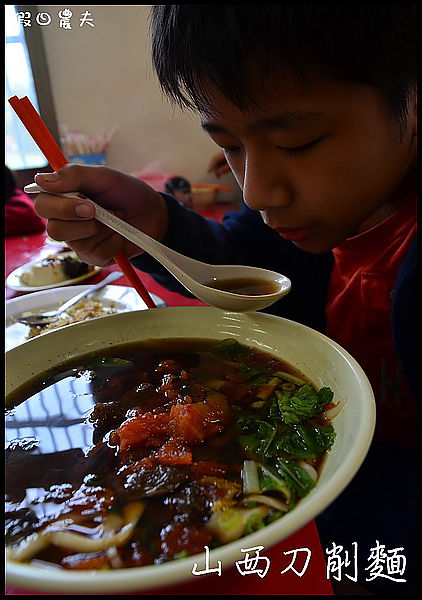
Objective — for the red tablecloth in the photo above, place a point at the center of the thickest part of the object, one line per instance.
(296, 579)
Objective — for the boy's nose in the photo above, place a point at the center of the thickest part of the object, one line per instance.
(264, 187)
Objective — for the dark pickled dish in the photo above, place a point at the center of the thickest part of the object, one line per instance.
(151, 451)
(73, 267)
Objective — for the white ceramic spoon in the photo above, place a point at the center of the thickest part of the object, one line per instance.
(196, 276)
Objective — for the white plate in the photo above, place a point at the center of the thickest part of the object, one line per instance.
(123, 299)
(52, 242)
(13, 280)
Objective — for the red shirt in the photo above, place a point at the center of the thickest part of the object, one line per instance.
(359, 314)
(20, 215)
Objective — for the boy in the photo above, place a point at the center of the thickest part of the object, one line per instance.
(315, 109)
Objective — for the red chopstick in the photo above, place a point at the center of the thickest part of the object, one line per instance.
(48, 146)
(38, 131)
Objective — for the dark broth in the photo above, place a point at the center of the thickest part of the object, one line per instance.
(152, 424)
(245, 286)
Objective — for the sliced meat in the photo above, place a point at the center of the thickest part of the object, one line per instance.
(160, 479)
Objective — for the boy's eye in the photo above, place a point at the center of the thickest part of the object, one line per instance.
(231, 150)
(300, 149)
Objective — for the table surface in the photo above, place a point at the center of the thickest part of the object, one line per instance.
(289, 572)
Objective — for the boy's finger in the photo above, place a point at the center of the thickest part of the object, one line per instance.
(63, 208)
(71, 178)
(70, 231)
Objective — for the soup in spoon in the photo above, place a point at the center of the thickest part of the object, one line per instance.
(246, 286)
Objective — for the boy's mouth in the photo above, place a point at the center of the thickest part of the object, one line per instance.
(294, 234)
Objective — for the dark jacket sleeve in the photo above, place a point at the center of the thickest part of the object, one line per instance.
(243, 238)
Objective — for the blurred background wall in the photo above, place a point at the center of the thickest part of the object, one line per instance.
(102, 76)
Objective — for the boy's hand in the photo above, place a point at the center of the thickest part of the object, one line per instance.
(72, 220)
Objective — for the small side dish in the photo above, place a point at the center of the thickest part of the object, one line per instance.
(55, 268)
(83, 310)
(114, 299)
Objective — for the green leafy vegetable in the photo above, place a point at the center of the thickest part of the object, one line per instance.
(281, 431)
(259, 437)
(272, 482)
(303, 441)
(265, 438)
(302, 404)
(295, 476)
(255, 377)
(228, 349)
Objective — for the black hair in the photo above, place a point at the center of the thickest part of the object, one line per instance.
(374, 44)
(177, 183)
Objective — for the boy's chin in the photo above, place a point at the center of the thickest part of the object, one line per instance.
(315, 246)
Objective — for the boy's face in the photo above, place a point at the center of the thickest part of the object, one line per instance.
(320, 162)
